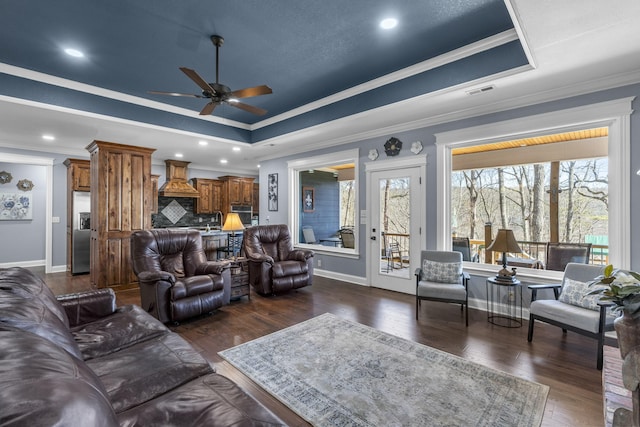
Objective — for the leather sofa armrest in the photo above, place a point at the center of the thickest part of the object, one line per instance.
(154, 276)
(85, 307)
(300, 254)
(260, 258)
(212, 267)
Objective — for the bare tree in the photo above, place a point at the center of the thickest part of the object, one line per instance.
(471, 181)
(537, 210)
(501, 198)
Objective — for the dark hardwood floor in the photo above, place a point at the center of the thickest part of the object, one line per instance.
(565, 363)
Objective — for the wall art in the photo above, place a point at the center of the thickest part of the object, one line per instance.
(308, 201)
(5, 177)
(14, 206)
(272, 191)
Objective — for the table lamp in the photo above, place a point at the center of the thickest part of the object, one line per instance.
(232, 223)
(505, 242)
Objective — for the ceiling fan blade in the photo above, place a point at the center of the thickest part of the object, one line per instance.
(251, 91)
(249, 108)
(157, 92)
(208, 109)
(197, 79)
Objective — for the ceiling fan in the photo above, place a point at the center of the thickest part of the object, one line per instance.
(218, 93)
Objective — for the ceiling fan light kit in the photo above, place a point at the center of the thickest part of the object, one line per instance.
(218, 93)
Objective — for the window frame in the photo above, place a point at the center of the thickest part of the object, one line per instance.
(294, 207)
(613, 114)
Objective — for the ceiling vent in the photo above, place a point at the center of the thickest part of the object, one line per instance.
(177, 185)
(480, 90)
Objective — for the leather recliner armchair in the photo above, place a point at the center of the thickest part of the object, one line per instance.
(176, 280)
(274, 265)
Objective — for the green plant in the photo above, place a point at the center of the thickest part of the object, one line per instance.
(621, 288)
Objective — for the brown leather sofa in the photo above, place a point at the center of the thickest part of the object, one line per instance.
(78, 360)
(176, 280)
(274, 265)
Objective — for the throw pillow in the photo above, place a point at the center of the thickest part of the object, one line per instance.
(441, 272)
(575, 293)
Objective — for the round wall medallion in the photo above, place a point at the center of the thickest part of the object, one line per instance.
(25, 185)
(373, 154)
(5, 177)
(392, 147)
(416, 147)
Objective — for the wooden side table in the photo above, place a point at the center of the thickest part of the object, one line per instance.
(240, 279)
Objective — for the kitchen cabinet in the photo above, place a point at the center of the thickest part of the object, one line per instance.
(256, 198)
(237, 191)
(154, 193)
(78, 174)
(210, 200)
(121, 203)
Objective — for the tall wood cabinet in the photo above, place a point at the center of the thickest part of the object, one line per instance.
(256, 198)
(78, 179)
(121, 202)
(210, 200)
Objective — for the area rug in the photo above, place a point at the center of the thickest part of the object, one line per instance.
(334, 372)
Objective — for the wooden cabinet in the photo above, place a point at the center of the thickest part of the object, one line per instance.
(236, 191)
(78, 174)
(121, 202)
(210, 200)
(154, 193)
(256, 198)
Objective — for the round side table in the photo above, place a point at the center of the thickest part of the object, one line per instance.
(502, 303)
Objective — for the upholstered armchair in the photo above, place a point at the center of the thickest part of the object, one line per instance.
(440, 278)
(274, 265)
(572, 309)
(176, 280)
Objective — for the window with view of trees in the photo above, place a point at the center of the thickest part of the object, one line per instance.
(560, 201)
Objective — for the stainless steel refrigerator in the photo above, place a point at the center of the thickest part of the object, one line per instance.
(81, 232)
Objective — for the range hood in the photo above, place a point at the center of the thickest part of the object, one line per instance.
(177, 185)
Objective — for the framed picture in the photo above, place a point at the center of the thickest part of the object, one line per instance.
(308, 200)
(272, 191)
(14, 206)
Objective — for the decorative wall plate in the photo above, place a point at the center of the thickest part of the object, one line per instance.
(25, 185)
(416, 147)
(392, 147)
(5, 177)
(373, 154)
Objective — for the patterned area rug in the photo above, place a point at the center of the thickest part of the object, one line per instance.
(333, 372)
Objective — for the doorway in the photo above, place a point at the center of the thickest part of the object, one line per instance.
(396, 207)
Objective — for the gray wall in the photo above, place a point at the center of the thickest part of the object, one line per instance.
(357, 267)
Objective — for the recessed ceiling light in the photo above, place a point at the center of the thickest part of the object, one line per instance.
(236, 148)
(388, 23)
(48, 137)
(74, 52)
(179, 155)
(259, 167)
(223, 161)
(203, 143)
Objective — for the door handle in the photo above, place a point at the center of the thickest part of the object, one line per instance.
(373, 237)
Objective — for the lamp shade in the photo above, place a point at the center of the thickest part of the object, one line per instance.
(505, 241)
(232, 223)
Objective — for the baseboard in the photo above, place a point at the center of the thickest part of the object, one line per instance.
(481, 304)
(34, 263)
(357, 280)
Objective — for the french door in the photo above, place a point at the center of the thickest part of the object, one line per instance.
(395, 234)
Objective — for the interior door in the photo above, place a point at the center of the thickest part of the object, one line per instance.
(394, 229)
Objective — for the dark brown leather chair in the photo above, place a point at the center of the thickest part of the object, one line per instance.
(176, 280)
(274, 265)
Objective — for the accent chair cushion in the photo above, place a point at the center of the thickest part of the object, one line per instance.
(441, 272)
(575, 293)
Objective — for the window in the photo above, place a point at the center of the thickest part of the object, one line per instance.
(324, 201)
(614, 115)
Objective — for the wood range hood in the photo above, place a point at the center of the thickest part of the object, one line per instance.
(176, 184)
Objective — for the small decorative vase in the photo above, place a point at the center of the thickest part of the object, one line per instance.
(628, 332)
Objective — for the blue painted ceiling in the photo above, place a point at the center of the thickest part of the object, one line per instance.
(304, 50)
